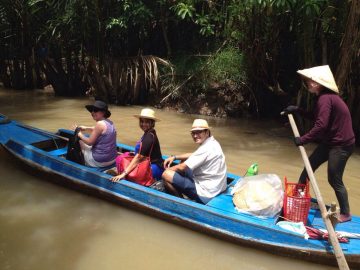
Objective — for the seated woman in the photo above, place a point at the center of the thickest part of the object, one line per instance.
(99, 148)
(148, 146)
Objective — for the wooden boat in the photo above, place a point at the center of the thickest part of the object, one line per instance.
(45, 151)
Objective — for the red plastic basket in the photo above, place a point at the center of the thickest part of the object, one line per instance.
(296, 202)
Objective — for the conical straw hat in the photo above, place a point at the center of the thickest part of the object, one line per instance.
(321, 75)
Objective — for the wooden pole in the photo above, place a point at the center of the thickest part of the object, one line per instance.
(340, 257)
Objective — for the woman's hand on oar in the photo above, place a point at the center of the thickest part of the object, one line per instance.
(290, 110)
(297, 141)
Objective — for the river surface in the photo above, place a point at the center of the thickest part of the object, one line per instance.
(45, 226)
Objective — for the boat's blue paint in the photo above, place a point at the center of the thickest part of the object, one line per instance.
(218, 217)
(58, 152)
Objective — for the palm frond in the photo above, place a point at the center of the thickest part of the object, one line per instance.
(133, 77)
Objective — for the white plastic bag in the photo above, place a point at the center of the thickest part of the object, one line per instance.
(296, 227)
(260, 195)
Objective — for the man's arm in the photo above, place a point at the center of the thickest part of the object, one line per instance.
(171, 159)
(181, 167)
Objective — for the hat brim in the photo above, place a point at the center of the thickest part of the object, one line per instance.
(147, 117)
(90, 108)
(199, 128)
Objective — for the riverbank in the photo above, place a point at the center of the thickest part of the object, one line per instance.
(220, 101)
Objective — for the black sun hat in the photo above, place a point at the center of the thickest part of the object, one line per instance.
(101, 106)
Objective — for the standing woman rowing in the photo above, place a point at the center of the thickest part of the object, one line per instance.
(332, 131)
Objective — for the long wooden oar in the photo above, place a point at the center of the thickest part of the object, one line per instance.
(332, 236)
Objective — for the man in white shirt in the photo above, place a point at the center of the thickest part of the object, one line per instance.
(202, 175)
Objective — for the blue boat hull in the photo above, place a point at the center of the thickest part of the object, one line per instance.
(218, 218)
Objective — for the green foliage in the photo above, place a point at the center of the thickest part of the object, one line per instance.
(131, 14)
(184, 10)
(195, 74)
(206, 28)
(207, 15)
(272, 38)
(187, 64)
(227, 65)
(115, 22)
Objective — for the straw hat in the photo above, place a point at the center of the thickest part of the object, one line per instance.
(200, 124)
(148, 114)
(321, 75)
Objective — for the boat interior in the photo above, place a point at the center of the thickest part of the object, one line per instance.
(57, 146)
(223, 202)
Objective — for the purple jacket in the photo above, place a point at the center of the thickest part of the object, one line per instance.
(333, 125)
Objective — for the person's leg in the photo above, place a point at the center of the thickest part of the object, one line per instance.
(338, 156)
(168, 176)
(86, 150)
(89, 159)
(318, 157)
(181, 184)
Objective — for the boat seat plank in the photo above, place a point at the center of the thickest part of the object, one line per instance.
(58, 152)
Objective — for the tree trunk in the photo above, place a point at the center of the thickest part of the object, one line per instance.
(55, 77)
(349, 46)
(5, 74)
(164, 31)
(29, 75)
(99, 84)
(348, 54)
(18, 78)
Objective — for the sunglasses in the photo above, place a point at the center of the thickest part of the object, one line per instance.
(196, 132)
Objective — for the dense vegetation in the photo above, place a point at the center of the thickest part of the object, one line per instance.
(216, 57)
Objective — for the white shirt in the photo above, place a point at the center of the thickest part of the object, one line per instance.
(209, 169)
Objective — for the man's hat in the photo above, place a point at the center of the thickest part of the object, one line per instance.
(200, 124)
